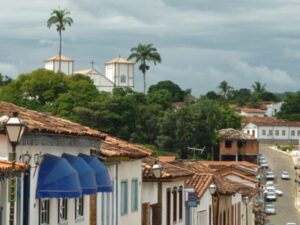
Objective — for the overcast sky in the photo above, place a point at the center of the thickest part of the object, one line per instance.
(201, 42)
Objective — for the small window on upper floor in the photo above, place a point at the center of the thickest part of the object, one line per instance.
(228, 143)
(264, 132)
(123, 78)
(293, 133)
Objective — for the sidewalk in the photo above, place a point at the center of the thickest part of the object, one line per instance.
(295, 154)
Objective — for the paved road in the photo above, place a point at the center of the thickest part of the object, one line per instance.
(285, 205)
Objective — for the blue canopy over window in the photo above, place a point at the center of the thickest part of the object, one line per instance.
(85, 172)
(57, 179)
(102, 176)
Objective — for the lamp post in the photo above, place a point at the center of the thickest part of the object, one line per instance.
(246, 202)
(212, 190)
(14, 130)
(156, 170)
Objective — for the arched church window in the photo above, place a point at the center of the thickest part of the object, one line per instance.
(123, 78)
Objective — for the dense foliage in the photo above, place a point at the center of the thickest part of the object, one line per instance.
(146, 119)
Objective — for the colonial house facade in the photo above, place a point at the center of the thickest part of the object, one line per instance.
(271, 129)
(62, 175)
(171, 190)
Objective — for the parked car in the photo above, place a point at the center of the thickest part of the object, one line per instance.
(270, 175)
(290, 223)
(270, 209)
(264, 165)
(285, 175)
(279, 192)
(271, 196)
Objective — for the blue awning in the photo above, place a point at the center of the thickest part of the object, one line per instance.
(102, 176)
(57, 179)
(85, 172)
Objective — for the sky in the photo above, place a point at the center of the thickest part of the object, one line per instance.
(201, 42)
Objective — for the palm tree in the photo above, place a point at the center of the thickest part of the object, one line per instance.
(61, 18)
(224, 88)
(144, 53)
(258, 88)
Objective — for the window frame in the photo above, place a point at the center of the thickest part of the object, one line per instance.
(123, 79)
(134, 195)
(124, 199)
(44, 213)
(62, 205)
(79, 208)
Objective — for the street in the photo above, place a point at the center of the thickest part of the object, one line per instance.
(285, 205)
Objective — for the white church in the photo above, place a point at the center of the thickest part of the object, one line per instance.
(119, 72)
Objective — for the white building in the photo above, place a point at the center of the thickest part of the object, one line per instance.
(272, 108)
(271, 129)
(172, 194)
(124, 162)
(248, 112)
(55, 191)
(67, 64)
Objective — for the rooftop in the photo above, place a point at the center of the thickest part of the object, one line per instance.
(56, 58)
(37, 122)
(234, 134)
(6, 168)
(252, 110)
(119, 59)
(269, 121)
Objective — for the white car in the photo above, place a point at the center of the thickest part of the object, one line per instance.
(270, 209)
(279, 192)
(270, 175)
(285, 175)
(264, 165)
(271, 196)
(290, 223)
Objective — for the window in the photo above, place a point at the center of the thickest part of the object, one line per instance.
(134, 195)
(168, 206)
(253, 133)
(44, 212)
(228, 143)
(124, 197)
(174, 204)
(298, 132)
(180, 202)
(277, 132)
(283, 132)
(264, 132)
(293, 133)
(123, 78)
(270, 132)
(78, 207)
(62, 210)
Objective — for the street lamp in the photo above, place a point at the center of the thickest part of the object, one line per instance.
(246, 202)
(213, 191)
(14, 130)
(157, 171)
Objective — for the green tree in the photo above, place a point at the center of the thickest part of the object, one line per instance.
(225, 89)
(145, 53)
(258, 88)
(176, 92)
(290, 109)
(60, 18)
(4, 80)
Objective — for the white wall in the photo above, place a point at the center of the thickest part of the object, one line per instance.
(273, 108)
(114, 71)
(67, 67)
(252, 114)
(202, 210)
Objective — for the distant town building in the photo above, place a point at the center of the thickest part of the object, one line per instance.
(67, 64)
(272, 108)
(252, 112)
(271, 129)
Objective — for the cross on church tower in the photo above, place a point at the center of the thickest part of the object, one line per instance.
(92, 63)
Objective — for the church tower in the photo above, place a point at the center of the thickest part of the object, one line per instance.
(121, 72)
(67, 64)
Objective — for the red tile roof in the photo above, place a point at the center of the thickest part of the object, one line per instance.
(200, 182)
(234, 134)
(114, 147)
(166, 158)
(255, 181)
(41, 122)
(169, 171)
(252, 110)
(269, 121)
(6, 168)
(221, 164)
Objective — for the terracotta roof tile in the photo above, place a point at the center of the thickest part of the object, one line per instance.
(269, 121)
(41, 122)
(169, 171)
(6, 169)
(221, 164)
(234, 134)
(200, 182)
(252, 110)
(166, 158)
(115, 147)
(253, 180)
